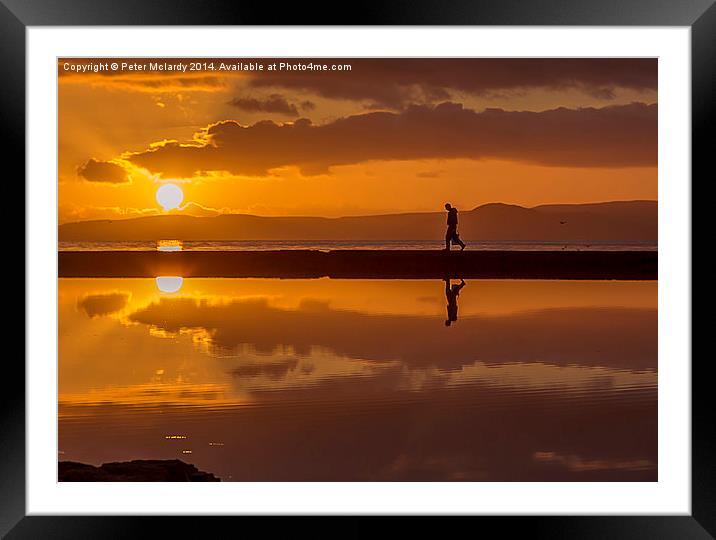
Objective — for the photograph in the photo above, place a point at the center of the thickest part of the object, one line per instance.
(357, 269)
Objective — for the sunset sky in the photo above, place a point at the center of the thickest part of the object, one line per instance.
(390, 135)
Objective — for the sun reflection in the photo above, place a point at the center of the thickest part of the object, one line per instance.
(169, 245)
(169, 284)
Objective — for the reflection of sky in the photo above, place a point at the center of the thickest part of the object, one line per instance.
(259, 353)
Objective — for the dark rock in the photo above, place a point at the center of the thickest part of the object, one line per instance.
(138, 470)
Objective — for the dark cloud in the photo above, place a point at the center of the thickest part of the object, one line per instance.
(393, 82)
(396, 82)
(275, 103)
(615, 136)
(95, 170)
(97, 305)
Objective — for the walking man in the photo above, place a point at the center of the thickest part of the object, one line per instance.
(452, 235)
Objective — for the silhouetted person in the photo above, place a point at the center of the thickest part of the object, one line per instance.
(451, 235)
(451, 293)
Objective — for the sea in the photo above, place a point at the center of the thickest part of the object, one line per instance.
(327, 245)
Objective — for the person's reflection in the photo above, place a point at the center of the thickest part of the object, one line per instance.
(451, 293)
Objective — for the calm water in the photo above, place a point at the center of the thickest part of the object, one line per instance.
(266, 379)
(261, 245)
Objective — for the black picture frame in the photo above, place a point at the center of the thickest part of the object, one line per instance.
(699, 15)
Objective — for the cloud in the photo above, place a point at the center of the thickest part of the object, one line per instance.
(70, 212)
(94, 170)
(74, 212)
(395, 82)
(275, 103)
(391, 82)
(197, 210)
(615, 136)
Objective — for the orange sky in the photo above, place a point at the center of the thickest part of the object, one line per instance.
(387, 136)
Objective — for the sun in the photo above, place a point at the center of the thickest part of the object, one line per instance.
(169, 196)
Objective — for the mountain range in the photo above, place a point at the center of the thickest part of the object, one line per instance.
(616, 221)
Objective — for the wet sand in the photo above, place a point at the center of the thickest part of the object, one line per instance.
(384, 264)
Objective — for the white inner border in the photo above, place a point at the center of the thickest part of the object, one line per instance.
(670, 495)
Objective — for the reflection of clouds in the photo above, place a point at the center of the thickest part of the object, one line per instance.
(454, 467)
(265, 347)
(258, 345)
(233, 381)
(533, 376)
(253, 372)
(240, 379)
(272, 370)
(486, 298)
(466, 434)
(613, 337)
(154, 394)
(97, 305)
(551, 394)
(578, 464)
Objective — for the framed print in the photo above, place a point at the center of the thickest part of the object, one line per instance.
(441, 266)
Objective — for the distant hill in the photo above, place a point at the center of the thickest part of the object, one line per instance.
(608, 221)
